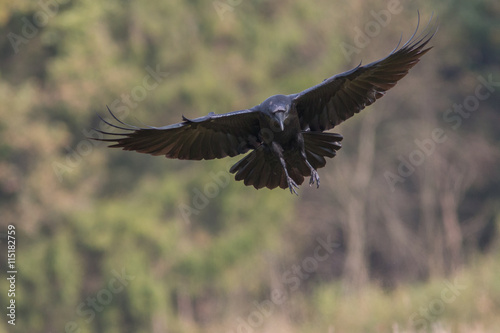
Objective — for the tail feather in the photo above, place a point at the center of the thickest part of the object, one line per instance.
(254, 175)
(261, 168)
(244, 166)
(264, 175)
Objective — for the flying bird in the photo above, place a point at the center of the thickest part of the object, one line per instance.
(285, 133)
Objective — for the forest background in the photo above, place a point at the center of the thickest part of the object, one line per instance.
(402, 235)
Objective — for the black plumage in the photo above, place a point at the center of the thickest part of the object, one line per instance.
(285, 133)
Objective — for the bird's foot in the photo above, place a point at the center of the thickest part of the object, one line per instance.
(314, 177)
(292, 185)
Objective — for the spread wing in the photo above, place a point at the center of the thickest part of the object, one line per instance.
(208, 137)
(338, 98)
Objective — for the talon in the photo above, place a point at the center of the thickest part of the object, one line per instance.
(314, 177)
(292, 185)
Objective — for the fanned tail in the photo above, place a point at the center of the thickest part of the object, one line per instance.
(261, 168)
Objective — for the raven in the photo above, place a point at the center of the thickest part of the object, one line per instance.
(285, 132)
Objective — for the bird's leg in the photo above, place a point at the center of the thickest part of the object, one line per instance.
(291, 183)
(314, 173)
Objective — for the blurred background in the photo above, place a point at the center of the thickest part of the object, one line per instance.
(402, 235)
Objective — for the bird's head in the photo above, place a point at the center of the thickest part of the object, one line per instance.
(277, 107)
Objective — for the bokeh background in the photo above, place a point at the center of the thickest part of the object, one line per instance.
(402, 235)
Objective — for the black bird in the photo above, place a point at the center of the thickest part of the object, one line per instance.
(285, 132)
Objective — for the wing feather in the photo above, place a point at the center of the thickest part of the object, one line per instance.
(208, 137)
(345, 94)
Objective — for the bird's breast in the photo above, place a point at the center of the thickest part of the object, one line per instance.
(270, 132)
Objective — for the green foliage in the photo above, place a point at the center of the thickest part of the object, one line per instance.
(178, 246)
(457, 303)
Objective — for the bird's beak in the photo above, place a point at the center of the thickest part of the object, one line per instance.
(281, 119)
